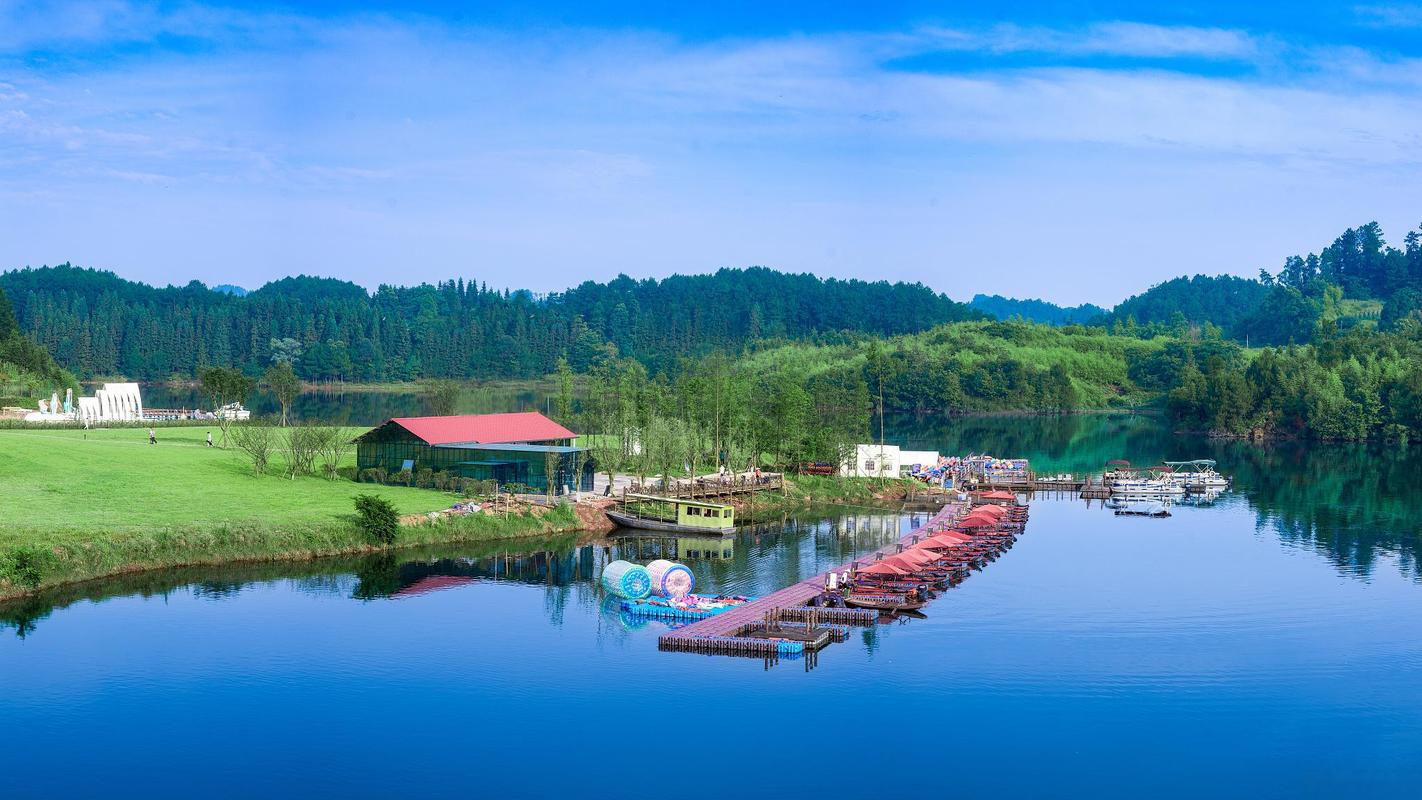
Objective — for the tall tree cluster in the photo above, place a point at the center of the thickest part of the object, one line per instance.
(100, 325)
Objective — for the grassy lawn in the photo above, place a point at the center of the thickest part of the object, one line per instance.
(113, 479)
(82, 504)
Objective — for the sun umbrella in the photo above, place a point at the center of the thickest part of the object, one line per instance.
(882, 568)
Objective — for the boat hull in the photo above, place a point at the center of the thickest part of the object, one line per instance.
(642, 523)
(881, 605)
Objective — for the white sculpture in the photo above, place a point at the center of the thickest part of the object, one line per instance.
(113, 402)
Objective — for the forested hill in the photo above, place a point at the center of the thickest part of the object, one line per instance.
(1357, 281)
(98, 324)
(1006, 308)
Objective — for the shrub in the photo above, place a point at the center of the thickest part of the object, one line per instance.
(403, 477)
(424, 478)
(377, 518)
(25, 566)
(373, 475)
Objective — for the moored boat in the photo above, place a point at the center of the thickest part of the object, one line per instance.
(883, 603)
(672, 514)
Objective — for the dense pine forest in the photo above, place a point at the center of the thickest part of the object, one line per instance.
(26, 368)
(98, 324)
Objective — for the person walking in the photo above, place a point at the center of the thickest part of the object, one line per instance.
(209, 438)
(152, 437)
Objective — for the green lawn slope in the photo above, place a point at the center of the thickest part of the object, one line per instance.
(78, 504)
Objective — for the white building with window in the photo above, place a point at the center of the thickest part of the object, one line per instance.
(885, 461)
(872, 461)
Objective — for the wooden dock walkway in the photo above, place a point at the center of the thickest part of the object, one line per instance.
(730, 623)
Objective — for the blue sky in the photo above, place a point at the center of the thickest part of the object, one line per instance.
(1073, 151)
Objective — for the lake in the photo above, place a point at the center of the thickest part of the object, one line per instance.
(1265, 645)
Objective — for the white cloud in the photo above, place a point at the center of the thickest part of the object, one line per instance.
(368, 142)
(1395, 15)
(1116, 38)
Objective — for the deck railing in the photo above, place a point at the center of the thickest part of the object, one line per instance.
(713, 485)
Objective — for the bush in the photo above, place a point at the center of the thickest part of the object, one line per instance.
(25, 566)
(377, 518)
(403, 478)
(373, 475)
(424, 478)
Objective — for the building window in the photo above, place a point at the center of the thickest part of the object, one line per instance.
(869, 465)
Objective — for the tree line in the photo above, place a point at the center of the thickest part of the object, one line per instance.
(26, 368)
(100, 325)
(1358, 280)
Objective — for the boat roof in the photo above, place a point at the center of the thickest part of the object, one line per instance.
(676, 500)
(1199, 462)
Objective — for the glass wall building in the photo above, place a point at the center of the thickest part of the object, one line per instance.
(513, 449)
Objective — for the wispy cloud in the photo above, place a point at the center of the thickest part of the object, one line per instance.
(642, 150)
(1116, 38)
(1392, 15)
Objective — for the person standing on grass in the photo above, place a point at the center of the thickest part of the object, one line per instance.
(209, 438)
(152, 437)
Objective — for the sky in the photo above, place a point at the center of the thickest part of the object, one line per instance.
(1077, 152)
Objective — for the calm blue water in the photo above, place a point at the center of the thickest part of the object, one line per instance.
(1219, 652)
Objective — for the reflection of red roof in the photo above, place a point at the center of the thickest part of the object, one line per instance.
(527, 426)
(433, 584)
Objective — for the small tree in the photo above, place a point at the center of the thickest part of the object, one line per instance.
(333, 447)
(303, 443)
(257, 441)
(224, 386)
(551, 460)
(565, 392)
(377, 518)
(442, 396)
(281, 380)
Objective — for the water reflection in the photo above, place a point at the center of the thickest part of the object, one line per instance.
(1351, 503)
(754, 561)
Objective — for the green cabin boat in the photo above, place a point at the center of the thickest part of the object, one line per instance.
(649, 512)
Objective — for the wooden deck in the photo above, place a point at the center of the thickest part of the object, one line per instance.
(729, 623)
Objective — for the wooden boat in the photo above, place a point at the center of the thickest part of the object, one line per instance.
(883, 603)
(672, 514)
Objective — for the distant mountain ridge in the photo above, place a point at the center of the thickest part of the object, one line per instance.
(97, 323)
(1006, 308)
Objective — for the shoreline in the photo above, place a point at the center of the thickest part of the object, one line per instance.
(276, 544)
(232, 545)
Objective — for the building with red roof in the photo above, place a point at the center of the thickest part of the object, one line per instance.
(519, 450)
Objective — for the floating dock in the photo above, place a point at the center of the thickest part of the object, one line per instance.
(727, 632)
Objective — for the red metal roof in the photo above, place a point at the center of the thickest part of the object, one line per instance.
(527, 426)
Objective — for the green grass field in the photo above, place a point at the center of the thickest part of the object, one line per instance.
(78, 504)
(114, 479)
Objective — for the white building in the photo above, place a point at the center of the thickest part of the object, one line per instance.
(885, 461)
(113, 402)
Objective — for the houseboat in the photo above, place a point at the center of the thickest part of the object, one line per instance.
(1197, 476)
(1146, 487)
(649, 512)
